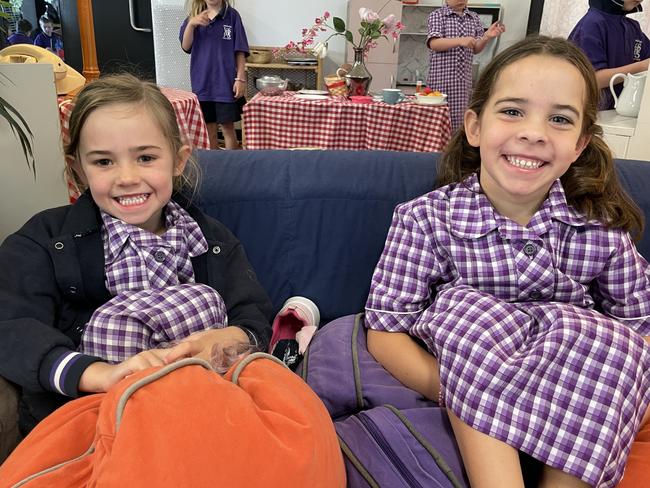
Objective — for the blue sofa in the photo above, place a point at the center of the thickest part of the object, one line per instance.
(313, 223)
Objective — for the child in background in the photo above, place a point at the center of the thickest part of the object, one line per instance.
(215, 37)
(49, 39)
(22, 36)
(521, 278)
(613, 43)
(455, 34)
(131, 231)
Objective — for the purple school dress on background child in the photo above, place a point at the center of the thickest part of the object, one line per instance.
(451, 71)
(510, 312)
(212, 65)
(53, 43)
(19, 38)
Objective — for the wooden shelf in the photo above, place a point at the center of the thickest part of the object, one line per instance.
(314, 67)
(310, 75)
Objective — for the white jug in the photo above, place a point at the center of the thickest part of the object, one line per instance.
(629, 102)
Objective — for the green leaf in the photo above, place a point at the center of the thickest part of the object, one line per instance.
(21, 130)
(348, 36)
(339, 24)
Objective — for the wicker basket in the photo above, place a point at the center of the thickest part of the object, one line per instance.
(259, 56)
(336, 85)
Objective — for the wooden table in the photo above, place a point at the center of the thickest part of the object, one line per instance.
(288, 121)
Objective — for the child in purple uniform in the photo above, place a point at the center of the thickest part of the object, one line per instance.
(613, 43)
(215, 36)
(48, 39)
(130, 266)
(521, 278)
(455, 34)
(22, 36)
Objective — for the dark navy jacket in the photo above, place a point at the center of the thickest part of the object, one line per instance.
(52, 280)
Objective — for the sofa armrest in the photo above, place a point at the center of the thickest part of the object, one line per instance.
(9, 434)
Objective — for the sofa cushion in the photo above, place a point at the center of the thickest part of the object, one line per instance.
(313, 223)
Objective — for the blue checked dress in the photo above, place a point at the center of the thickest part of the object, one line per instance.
(538, 330)
(451, 71)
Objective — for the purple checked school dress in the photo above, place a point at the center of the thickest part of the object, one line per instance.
(538, 330)
(156, 301)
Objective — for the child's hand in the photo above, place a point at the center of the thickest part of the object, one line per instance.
(199, 344)
(239, 89)
(495, 30)
(201, 19)
(99, 377)
(467, 42)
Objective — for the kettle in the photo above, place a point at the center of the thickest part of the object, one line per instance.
(629, 102)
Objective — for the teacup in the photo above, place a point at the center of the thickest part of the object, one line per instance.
(392, 96)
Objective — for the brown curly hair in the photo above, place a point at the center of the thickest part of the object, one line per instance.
(591, 184)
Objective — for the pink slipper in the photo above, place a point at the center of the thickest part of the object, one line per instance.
(296, 313)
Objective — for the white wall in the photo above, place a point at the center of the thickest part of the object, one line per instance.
(276, 22)
(267, 23)
(29, 88)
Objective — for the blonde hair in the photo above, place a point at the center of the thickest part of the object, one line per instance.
(127, 89)
(195, 7)
(591, 184)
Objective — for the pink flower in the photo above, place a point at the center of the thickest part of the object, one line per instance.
(371, 29)
(368, 15)
(390, 23)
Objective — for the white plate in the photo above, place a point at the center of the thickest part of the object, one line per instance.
(304, 96)
(421, 101)
(313, 92)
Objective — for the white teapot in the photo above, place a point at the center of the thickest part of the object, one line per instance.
(629, 102)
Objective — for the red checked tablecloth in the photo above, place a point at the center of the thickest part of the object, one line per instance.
(287, 121)
(188, 115)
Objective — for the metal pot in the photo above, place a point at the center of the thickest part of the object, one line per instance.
(271, 85)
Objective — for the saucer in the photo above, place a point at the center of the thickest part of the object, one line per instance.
(313, 92)
(305, 96)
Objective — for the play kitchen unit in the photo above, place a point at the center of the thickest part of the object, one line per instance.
(625, 133)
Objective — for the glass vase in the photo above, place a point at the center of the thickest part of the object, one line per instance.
(359, 77)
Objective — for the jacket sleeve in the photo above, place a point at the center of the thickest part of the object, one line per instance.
(249, 307)
(34, 353)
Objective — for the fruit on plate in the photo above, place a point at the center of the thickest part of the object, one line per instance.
(435, 93)
(427, 90)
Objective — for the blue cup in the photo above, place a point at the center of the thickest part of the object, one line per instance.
(392, 96)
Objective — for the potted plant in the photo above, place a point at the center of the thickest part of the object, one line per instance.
(8, 112)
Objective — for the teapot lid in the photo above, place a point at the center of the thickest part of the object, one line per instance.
(270, 78)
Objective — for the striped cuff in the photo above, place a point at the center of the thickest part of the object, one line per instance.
(252, 338)
(61, 370)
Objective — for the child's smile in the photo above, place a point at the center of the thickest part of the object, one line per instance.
(524, 163)
(528, 134)
(131, 201)
(128, 164)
